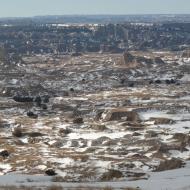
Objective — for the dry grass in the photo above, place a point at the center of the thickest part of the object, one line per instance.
(107, 188)
(82, 158)
(174, 163)
(111, 174)
(55, 188)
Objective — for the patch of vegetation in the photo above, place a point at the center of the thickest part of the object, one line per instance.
(17, 132)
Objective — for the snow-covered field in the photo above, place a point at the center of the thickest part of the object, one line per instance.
(106, 123)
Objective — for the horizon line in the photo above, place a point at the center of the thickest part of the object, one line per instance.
(130, 14)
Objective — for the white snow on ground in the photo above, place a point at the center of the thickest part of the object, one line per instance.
(178, 179)
(163, 114)
(179, 154)
(41, 167)
(95, 135)
(185, 98)
(24, 140)
(63, 161)
(186, 60)
(5, 166)
(179, 127)
(102, 164)
(186, 78)
(152, 113)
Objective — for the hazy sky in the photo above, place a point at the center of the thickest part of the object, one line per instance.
(10, 8)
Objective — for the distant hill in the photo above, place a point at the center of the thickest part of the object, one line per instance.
(100, 19)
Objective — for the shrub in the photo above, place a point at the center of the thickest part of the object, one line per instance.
(78, 120)
(65, 131)
(17, 132)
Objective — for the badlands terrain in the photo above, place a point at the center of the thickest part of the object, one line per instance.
(95, 117)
